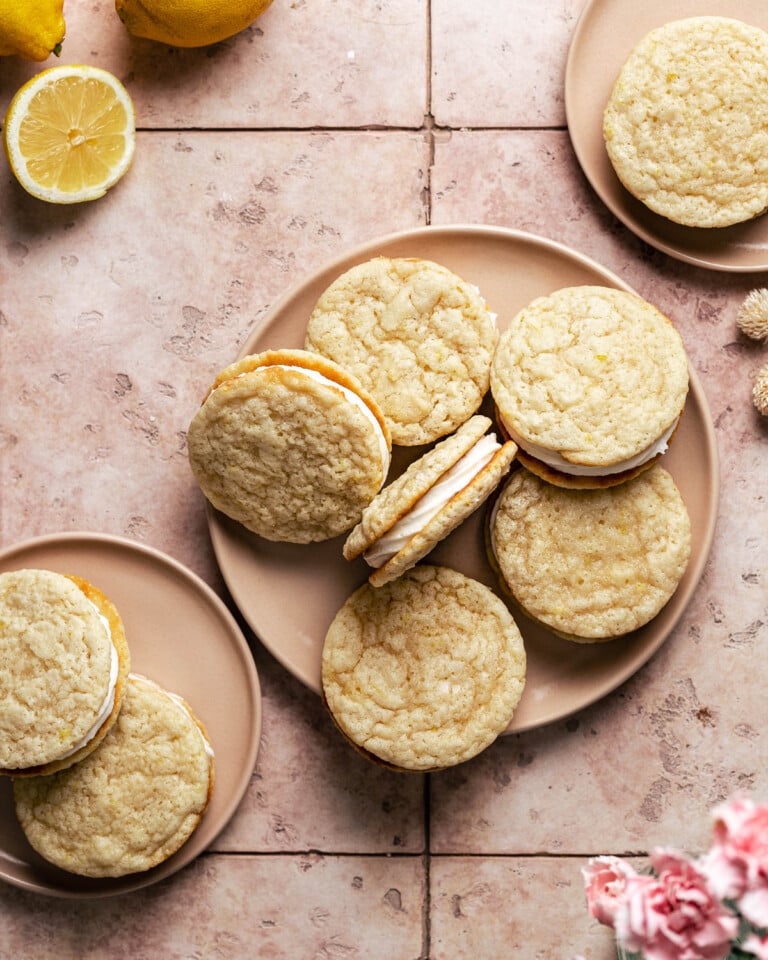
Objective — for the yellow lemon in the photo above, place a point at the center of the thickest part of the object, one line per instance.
(188, 23)
(69, 133)
(32, 29)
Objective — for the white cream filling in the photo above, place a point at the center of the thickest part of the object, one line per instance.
(432, 502)
(349, 395)
(178, 701)
(555, 460)
(109, 700)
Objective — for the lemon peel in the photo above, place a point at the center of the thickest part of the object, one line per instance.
(31, 29)
(69, 133)
(188, 23)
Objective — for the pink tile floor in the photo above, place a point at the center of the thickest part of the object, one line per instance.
(323, 125)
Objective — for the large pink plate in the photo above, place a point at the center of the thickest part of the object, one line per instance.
(605, 34)
(181, 635)
(290, 593)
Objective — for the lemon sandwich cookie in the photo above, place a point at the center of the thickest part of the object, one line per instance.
(684, 126)
(590, 565)
(418, 337)
(64, 660)
(590, 382)
(290, 445)
(423, 672)
(133, 802)
(431, 498)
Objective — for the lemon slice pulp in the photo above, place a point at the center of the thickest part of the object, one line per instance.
(70, 133)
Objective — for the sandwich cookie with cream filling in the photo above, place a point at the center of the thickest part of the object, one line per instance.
(427, 501)
(590, 382)
(64, 660)
(590, 565)
(131, 803)
(290, 445)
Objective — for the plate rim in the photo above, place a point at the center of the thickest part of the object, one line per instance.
(133, 882)
(663, 246)
(217, 521)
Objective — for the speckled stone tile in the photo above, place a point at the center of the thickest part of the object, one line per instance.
(675, 739)
(500, 908)
(115, 316)
(233, 908)
(500, 63)
(324, 63)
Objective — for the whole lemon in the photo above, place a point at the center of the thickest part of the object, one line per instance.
(187, 23)
(31, 29)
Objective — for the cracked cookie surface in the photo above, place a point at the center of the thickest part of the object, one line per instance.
(684, 126)
(591, 564)
(418, 337)
(423, 672)
(134, 801)
(593, 374)
(289, 456)
(55, 662)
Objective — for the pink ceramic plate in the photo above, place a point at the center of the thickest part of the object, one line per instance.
(290, 593)
(604, 36)
(179, 634)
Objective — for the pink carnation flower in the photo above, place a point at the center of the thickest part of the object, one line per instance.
(604, 881)
(737, 864)
(758, 946)
(674, 915)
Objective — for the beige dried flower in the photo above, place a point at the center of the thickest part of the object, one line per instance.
(760, 391)
(752, 316)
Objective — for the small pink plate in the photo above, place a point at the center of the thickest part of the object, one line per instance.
(605, 35)
(181, 635)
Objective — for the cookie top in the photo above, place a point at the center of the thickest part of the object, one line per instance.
(591, 564)
(290, 445)
(423, 672)
(590, 380)
(63, 664)
(418, 337)
(429, 500)
(684, 126)
(131, 803)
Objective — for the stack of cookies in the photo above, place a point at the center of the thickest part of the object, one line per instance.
(423, 667)
(111, 773)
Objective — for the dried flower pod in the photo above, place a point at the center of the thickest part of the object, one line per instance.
(752, 316)
(760, 391)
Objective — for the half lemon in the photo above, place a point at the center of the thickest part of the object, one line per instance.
(69, 133)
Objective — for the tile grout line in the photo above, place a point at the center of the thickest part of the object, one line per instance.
(428, 125)
(406, 855)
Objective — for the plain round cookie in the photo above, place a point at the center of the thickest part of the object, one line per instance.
(418, 337)
(290, 457)
(591, 565)
(684, 126)
(397, 498)
(56, 659)
(591, 374)
(131, 803)
(423, 672)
